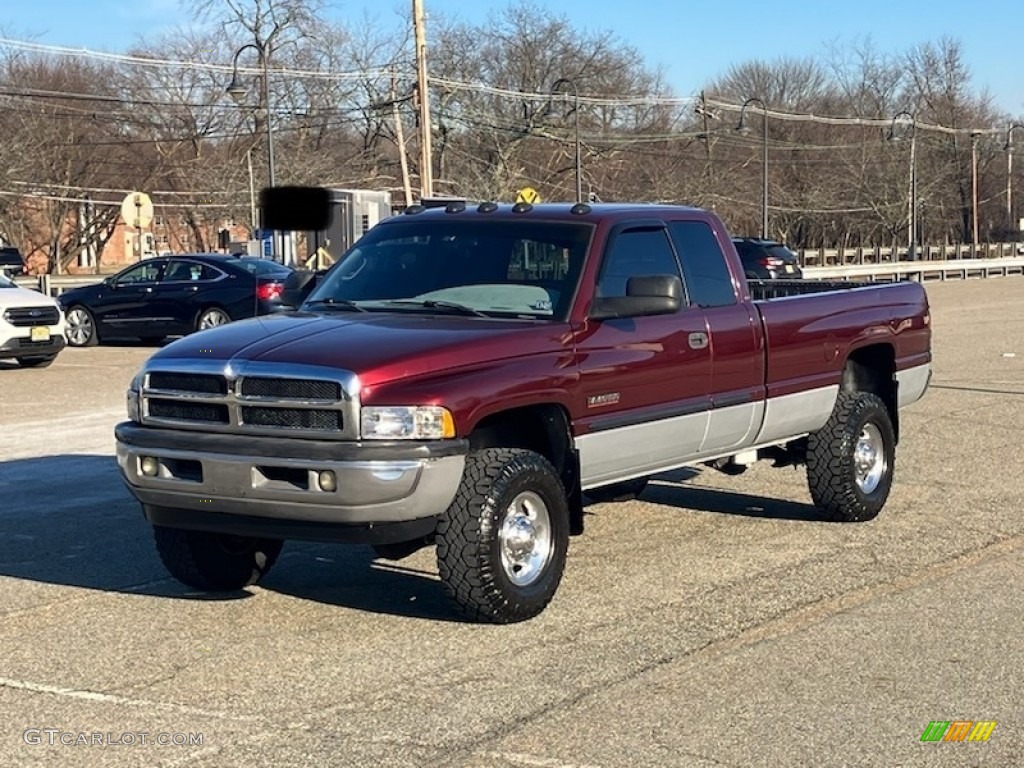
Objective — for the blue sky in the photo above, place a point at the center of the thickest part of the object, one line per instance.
(693, 41)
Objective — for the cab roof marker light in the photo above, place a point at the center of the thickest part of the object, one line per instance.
(522, 208)
(456, 207)
(412, 210)
(487, 207)
(580, 209)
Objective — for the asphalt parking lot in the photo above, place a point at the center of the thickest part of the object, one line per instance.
(715, 622)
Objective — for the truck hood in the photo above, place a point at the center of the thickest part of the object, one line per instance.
(378, 347)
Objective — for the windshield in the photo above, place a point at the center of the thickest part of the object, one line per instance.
(490, 267)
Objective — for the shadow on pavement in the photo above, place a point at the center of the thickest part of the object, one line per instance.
(668, 489)
(69, 520)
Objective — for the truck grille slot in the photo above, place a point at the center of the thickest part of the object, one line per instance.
(199, 383)
(23, 317)
(292, 418)
(290, 389)
(207, 413)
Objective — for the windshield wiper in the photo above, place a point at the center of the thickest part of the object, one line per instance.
(449, 305)
(335, 304)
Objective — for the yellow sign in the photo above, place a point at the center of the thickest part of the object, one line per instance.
(528, 195)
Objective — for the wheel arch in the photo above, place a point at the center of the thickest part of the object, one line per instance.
(545, 429)
(872, 369)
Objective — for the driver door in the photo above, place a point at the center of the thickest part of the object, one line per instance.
(128, 300)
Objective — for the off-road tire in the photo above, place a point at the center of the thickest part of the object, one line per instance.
(831, 466)
(469, 553)
(627, 490)
(215, 562)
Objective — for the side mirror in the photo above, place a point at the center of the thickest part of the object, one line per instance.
(109, 282)
(645, 295)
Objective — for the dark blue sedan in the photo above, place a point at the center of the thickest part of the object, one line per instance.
(173, 296)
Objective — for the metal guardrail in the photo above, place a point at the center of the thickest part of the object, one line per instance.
(920, 271)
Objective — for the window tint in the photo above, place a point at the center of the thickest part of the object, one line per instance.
(147, 272)
(522, 267)
(707, 274)
(190, 271)
(633, 253)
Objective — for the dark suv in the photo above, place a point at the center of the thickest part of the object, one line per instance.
(767, 259)
(11, 262)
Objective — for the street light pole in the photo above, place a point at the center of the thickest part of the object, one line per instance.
(1009, 174)
(576, 120)
(742, 128)
(237, 91)
(912, 201)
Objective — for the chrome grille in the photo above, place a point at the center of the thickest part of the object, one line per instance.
(251, 398)
(22, 317)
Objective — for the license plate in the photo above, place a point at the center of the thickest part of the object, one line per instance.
(789, 267)
(40, 333)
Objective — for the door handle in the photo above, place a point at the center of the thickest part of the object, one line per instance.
(698, 340)
(147, 290)
(192, 288)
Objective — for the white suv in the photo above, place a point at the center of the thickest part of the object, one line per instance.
(32, 326)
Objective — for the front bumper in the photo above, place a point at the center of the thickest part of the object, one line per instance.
(277, 478)
(23, 347)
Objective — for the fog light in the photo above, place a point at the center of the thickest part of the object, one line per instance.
(328, 481)
(150, 466)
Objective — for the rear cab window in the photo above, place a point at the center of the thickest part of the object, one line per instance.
(705, 268)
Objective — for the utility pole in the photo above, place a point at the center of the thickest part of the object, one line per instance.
(400, 137)
(426, 152)
(974, 190)
(705, 112)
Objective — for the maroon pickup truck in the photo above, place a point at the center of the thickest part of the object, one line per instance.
(468, 375)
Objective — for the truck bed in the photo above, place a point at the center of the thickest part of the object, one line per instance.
(767, 290)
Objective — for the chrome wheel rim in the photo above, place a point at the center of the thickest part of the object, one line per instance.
(525, 539)
(80, 328)
(211, 319)
(869, 459)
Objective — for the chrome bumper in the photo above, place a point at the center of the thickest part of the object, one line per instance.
(287, 487)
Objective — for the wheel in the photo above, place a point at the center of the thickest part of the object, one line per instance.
(215, 561)
(152, 340)
(501, 545)
(211, 317)
(36, 362)
(850, 460)
(81, 330)
(624, 491)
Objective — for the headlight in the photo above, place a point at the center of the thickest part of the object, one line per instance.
(413, 422)
(134, 412)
